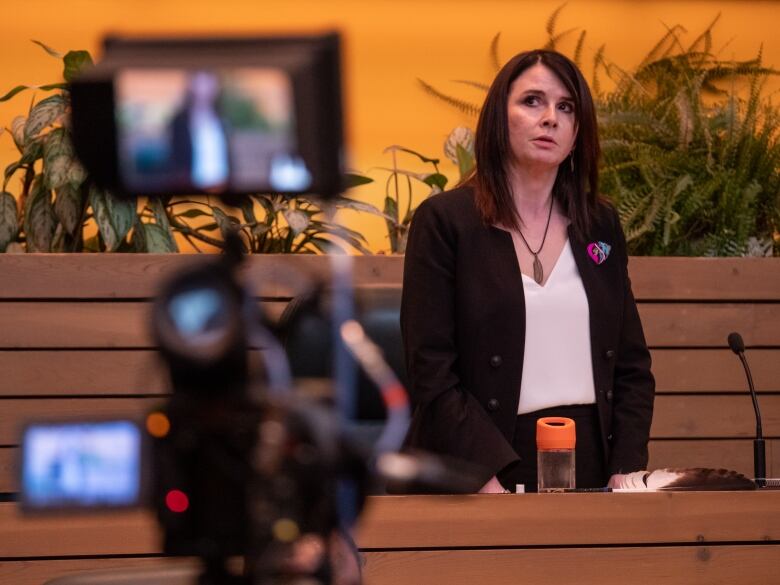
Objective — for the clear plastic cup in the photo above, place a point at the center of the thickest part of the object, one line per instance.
(555, 456)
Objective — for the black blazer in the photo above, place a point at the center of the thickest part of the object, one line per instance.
(463, 326)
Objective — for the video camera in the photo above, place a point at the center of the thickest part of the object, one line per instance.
(235, 463)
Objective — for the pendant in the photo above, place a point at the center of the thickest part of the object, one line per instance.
(538, 270)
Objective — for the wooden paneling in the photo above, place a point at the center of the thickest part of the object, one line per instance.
(88, 534)
(86, 372)
(120, 372)
(708, 325)
(714, 370)
(731, 454)
(569, 519)
(410, 522)
(36, 572)
(736, 455)
(69, 372)
(139, 276)
(9, 469)
(45, 325)
(15, 412)
(124, 325)
(685, 565)
(713, 279)
(716, 416)
(63, 324)
(682, 416)
(676, 416)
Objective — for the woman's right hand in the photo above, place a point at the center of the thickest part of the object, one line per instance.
(493, 486)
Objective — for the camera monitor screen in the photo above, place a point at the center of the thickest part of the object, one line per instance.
(212, 129)
(226, 116)
(81, 465)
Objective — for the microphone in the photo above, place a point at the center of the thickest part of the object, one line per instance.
(737, 345)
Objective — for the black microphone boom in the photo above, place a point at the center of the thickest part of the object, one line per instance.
(737, 345)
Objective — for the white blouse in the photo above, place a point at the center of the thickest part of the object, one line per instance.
(557, 367)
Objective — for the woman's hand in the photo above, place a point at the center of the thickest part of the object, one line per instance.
(493, 486)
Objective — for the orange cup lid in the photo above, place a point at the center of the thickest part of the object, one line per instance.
(555, 432)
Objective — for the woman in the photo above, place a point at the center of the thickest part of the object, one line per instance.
(517, 302)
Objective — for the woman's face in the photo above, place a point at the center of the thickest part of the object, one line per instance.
(540, 117)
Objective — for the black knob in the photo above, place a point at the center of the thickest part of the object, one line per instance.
(610, 353)
(493, 405)
(496, 361)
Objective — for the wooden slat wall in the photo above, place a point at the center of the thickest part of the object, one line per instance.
(74, 343)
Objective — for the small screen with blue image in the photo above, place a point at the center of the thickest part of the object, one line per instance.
(94, 464)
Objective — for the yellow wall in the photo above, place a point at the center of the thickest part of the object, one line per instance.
(388, 44)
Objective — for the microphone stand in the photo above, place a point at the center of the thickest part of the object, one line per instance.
(759, 445)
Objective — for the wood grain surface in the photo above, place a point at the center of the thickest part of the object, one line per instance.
(133, 276)
(736, 455)
(685, 565)
(481, 521)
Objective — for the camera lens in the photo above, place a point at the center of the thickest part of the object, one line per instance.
(199, 316)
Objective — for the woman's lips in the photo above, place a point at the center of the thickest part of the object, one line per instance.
(544, 142)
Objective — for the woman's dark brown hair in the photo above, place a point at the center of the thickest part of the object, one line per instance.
(576, 192)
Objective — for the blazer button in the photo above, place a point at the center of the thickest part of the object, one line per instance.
(496, 361)
(609, 395)
(609, 354)
(493, 405)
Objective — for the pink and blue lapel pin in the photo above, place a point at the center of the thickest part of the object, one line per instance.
(599, 252)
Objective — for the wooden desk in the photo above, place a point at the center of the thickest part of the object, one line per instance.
(655, 538)
(728, 538)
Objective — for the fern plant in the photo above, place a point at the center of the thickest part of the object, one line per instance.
(691, 145)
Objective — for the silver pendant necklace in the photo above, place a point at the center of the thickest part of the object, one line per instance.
(538, 269)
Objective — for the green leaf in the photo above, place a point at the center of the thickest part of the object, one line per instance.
(466, 161)
(20, 88)
(9, 222)
(226, 223)
(160, 215)
(75, 62)
(355, 180)
(17, 131)
(347, 203)
(33, 150)
(248, 210)
(48, 49)
(422, 157)
(11, 169)
(57, 158)
(114, 216)
(39, 220)
(158, 240)
(193, 213)
(436, 180)
(297, 220)
(76, 173)
(45, 113)
(68, 207)
(12, 92)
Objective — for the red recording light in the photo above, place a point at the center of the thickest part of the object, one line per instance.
(177, 501)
